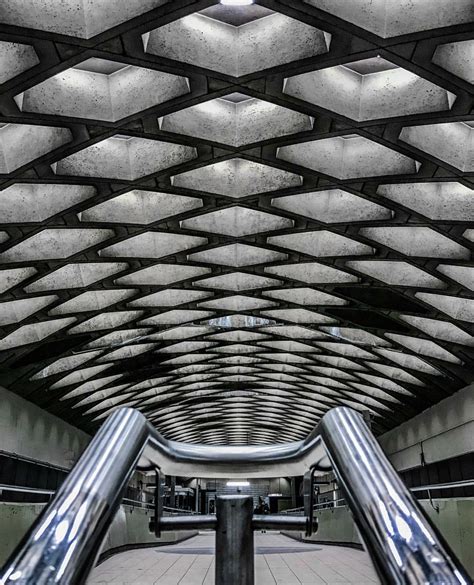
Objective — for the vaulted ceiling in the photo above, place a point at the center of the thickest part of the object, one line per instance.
(235, 218)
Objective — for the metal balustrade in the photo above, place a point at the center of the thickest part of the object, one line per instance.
(62, 546)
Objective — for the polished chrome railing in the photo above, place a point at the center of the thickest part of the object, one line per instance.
(63, 545)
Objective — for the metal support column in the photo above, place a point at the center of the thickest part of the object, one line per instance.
(172, 498)
(293, 491)
(234, 541)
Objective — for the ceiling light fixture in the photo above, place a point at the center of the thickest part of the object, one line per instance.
(237, 483)
(237, 2)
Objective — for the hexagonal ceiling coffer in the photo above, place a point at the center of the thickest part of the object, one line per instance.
(416, 241)
(332, 206)
(396, 273)
(322, 243)
(162, 274)
(34, 332)
(446, 200)
(451, 142)
(237, 255)
(369, 89)
(235, 120)
(390, 18)
(457, 58)
(213, 44)
(237, 222)
(124, 157)
(76, 275)
(77, 18)
(23, 143)
(36, 202)
(152, 245)
(54, 243)
(237, 281)
(139, 207)
(348, 157)
(236, 178)
(15, 58)
(98, 89)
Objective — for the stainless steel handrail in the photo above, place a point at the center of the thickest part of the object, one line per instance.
(62, 546)
(26, 490)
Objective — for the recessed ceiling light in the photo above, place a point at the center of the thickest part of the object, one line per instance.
(237, 2)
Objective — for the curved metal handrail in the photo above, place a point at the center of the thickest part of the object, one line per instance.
(63, 545)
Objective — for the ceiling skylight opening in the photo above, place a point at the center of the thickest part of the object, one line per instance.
(372, 65)
(236, 97)
(122, 137)
(103, 66)
(231, 321)
(236, 2)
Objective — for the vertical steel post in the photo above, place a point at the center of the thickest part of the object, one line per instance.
(234, 541)
(158, 503)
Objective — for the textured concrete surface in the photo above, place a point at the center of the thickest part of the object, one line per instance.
(88, 94)
(416, 241)
(332, 206)
(125, 158)
(22, 143)
(237, 221)
(139, 206)
(81, 18)
(388, 18)
(33, 433)
(15, 58)
(212, 44)
(457, 58)
(236, 178)
(249, 121)
(349, 157)
(383, 94)
(451, 142)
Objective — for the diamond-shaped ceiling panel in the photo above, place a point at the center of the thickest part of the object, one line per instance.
(101, 90)
(235, 217)
(231, 47)
(369, 89)
(348, 157)
(15, 58)
(21, 144)
(125, 158)
(236, 178)
(457, 58)
(236, 120)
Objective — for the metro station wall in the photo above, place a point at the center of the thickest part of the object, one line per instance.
(129, 529)
(443, 431)
(30, 432)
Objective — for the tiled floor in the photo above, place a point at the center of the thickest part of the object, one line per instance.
(279, 560)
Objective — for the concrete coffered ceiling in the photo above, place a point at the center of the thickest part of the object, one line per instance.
(235, 218)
